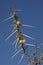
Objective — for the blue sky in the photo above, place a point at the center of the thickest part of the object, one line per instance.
(32, 14)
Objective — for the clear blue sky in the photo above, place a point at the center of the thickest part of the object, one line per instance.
(32, 14)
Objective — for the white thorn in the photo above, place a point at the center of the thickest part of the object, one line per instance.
(21, 58)
(7, 19)
(18, 48)
(9, 36)
(28, 26)
(28, 36)
(16, 53)
(30, 45)
(16, 43)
